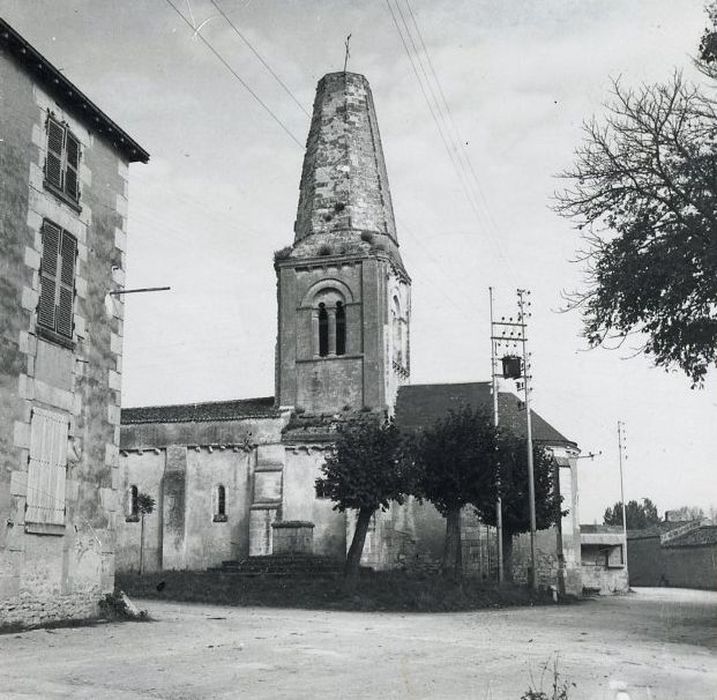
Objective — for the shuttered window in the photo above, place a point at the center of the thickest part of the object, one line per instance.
(57, 280)
(63, 160)
(46, 469)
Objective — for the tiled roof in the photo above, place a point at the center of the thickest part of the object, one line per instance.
(419, 406)
(707, 534)
(656, 530)
(201, 412)
(68, 94)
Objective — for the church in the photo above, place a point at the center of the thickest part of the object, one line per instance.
(230, 477)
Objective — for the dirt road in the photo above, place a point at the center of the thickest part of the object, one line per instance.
(655, 643)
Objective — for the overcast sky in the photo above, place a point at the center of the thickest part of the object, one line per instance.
(220, 193)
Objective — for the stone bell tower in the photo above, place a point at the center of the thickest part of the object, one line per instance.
(343, 293)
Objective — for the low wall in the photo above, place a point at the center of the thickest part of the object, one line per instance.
(684, 566)
(644, 561)
(606, 581)
(690, 566)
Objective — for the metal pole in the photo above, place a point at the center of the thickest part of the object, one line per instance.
(499, 500)
(119, 292)
(620, 447)
(529, 440)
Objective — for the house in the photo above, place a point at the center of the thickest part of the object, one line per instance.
(63, 213)
(227, 476)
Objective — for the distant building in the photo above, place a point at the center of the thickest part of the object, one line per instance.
(226, 474)
(63, 209)
(602, 552)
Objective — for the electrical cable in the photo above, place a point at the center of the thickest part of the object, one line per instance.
(263, 62)
(238, 77)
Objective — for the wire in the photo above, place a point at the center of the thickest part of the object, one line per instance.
(263, 62)
(464, 170)
(237, 76)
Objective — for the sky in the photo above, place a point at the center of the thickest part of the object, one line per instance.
(219, 195)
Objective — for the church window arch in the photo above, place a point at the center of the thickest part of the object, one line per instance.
(329, 322)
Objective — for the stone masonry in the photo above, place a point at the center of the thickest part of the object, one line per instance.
(57, 570)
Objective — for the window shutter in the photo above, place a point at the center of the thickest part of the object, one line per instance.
(73, 160)
(55, 143)
(66, 298)
(51, 235)
(46, 470)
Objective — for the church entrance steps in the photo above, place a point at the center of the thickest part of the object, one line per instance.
(283, 565)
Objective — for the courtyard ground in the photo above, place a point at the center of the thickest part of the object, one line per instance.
(654, 643)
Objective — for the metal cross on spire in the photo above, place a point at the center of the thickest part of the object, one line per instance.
(348, 52)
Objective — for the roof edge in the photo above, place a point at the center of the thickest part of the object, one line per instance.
(69, 93)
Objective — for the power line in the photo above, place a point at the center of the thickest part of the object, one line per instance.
(263, 62)
(464, 170)
(237, 76)
(428, 101)
(456, 133)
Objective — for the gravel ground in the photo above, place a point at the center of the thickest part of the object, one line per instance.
(654, 643)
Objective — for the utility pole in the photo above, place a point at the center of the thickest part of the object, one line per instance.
(621, 440)
(511, 332)
(494, 388)
(522, 305)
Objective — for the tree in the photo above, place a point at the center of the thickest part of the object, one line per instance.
(643, 191)
(639, 515)
(513, 472)
(366, 470)
(456, 466)
(145, 506)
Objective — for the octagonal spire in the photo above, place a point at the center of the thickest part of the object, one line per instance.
(344, 185)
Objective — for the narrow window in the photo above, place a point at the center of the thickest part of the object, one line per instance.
(323, 330)
(220, 505)
(57, 280)
(221, 501)
(133, 504)
(340, 329)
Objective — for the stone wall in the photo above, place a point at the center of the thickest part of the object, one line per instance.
(693, 566)
(684, 566)
(182, 466)
(644, 561)
(603, 568)
(62, 572)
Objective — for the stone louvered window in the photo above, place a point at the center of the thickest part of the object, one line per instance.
(57, 283)
(63, 161)
(323, 330)
(46, 468)
(340, 329)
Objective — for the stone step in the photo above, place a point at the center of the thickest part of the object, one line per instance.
(283, 565)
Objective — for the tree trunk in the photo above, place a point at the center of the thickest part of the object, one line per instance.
(452, 564)
(507, 557)
(141, 544)
(353, 558)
